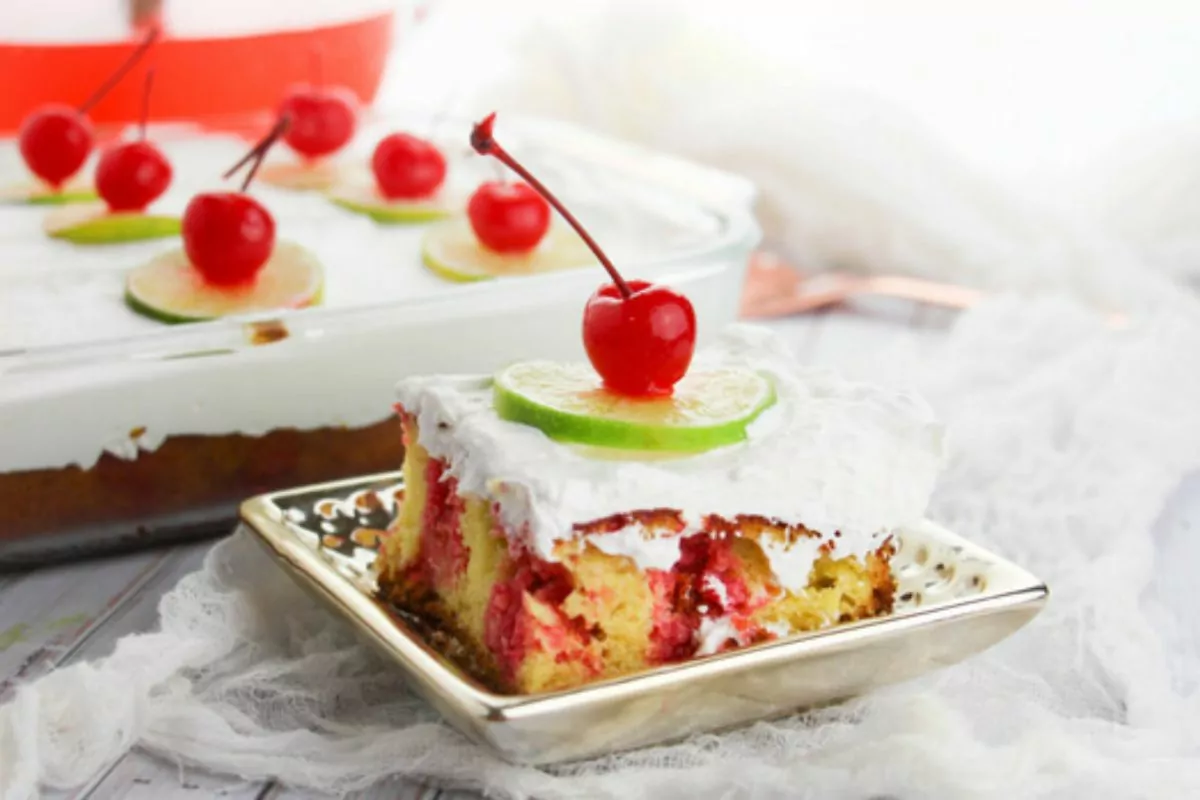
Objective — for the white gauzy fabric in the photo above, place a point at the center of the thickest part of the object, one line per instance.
(1067, 440)
(847, 179)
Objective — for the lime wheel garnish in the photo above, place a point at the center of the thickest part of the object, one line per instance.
(453, 251)
(96, 224)
(170, 289)
(569, 403)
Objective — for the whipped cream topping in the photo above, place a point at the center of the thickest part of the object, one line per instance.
(59, 293)
(714, 632)
(850, 461)
(649, 552)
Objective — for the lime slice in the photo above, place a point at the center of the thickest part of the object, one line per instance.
(365, 199)
(170, 289)
(95, 224)
(452, 250)
(36, 193)
(567, 402)
(300, 177)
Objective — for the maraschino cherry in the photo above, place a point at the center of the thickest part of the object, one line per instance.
(132, 175)
(639, 336)
(407, 167)
(229, 236)
(323, 118)
(508, 217)
(56, 139)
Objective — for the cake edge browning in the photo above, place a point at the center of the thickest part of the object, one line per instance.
(188, 479)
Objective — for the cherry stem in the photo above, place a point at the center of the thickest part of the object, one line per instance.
(259, 151)
(106, 87)
(254, 151)
(146, 103)
(485, 144)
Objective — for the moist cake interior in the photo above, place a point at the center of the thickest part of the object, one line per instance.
(536, 625)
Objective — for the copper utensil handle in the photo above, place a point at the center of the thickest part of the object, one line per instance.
(919, 290)
(773, 290)
(765, 298)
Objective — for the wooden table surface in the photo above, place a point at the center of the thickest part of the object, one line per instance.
(61, 615)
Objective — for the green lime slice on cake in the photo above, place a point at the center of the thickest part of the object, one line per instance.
(365, 199)
(452, 250)
(95, 224)
(39, 194)
(708, 409)
(169, 289)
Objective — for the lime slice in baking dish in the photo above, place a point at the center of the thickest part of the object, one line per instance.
(708, 409)
(170, 289)
(362, 198)
(39, 194)
(95, 224)
(300, 177)
(452, 250)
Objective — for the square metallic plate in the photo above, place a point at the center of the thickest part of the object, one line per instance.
(954, 600)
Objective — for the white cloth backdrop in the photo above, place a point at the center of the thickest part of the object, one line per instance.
(1068, 441)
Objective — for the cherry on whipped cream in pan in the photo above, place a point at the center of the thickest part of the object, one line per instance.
(56, 139)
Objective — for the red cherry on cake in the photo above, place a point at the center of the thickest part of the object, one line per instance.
(639, 336)
(132, 175)
(229, 236)
(641, 344)
(323, 120)
(407, 167)
(56, 139)
(508, 217)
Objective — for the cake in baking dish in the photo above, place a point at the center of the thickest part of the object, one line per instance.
(570, 522)
(185, 421)
(559, 563)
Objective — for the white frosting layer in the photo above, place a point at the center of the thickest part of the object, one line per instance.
(850, 461)
(714, 632)
(650, 552)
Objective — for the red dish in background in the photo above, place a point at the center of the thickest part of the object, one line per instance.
(222, 83)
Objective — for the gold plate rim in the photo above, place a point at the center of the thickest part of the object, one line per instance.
(462, 698)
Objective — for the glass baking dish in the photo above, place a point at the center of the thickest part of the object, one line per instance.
(117, 432)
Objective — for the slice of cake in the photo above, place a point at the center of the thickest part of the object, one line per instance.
(559, 562)
(571, 522)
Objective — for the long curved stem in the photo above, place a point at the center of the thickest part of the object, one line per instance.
(259, 151)
(485, 143)
(134, 57)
